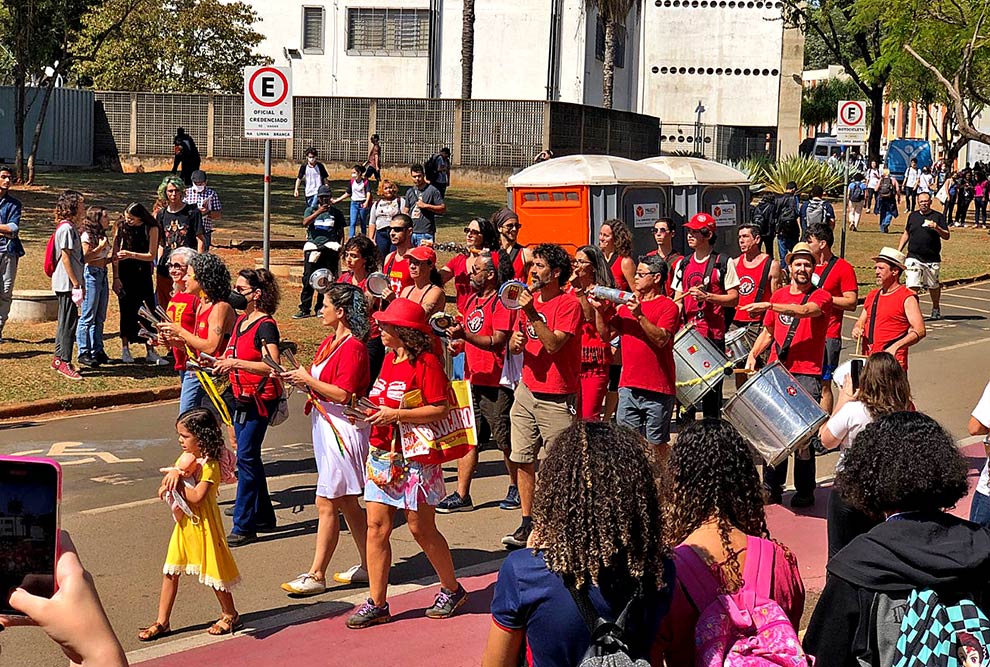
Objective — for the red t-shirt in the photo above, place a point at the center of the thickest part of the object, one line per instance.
(807, 349)
(347, 367)
(891, 321)
(749, 285)
(672, 259)
(483, 317)
(842, 278)
(708, 317)
(396, 379)
(462, 281)
(553, 373)
(645, 366)
(397, 271)
(182, 310)
(518, 267)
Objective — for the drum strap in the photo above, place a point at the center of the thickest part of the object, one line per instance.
(764, 280)
(827, 270)
(871, 325)
(782, 350)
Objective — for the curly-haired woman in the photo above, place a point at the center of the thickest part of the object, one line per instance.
(906, 468)
(339, 373)
(597, 526)
(68, 279)
(361, 259)
(883, 389)
(715, 515)
(182, 227)
(417, 488)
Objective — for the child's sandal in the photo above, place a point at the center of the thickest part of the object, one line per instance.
(225, 625)
(154, 631)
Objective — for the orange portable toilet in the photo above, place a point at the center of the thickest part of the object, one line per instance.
(565, 200)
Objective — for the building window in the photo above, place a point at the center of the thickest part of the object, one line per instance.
(312, 29)
(620, 44)
(388, 32)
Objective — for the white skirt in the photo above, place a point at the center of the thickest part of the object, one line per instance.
(340, 473)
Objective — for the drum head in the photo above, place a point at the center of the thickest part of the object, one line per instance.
(377, 283)
(321, 280)
(735, 335)
(509, 293)
(440, 322)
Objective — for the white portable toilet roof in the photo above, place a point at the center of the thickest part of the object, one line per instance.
(696, 171)
(587, 170)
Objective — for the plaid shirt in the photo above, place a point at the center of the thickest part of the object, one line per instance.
(208, 195)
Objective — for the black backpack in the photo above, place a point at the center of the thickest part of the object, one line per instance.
(856, 192)
(886, 188)
(787, 216)
(611, 642)
(764, 214)
(432, 168)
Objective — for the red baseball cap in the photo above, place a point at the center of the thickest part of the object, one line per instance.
(423, 253)
(404, 313)
(700, 222)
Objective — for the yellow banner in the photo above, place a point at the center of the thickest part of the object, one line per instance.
(444, 440)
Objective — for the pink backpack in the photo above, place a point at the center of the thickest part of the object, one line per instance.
(744, 629)
(228, 466)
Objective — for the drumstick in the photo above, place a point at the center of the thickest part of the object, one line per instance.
(744, 371)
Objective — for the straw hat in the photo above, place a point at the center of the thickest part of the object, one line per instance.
(798, 250)
(891, 256)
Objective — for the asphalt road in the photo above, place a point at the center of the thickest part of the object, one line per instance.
(111, 462)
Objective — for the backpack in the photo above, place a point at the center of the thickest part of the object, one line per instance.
(763, 215)
(886, 188)
(431, 167)
(935, 632)
(787, 216)
(51, 262)
(609, 646)
(815, 213)
(743, 629)
(856, 192)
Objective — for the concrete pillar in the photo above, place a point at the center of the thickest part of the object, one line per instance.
(210, 125)
(789, 99)
(132, 139)
(547, 106)
(455, 146)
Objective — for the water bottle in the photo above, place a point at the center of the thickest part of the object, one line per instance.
(612, 294)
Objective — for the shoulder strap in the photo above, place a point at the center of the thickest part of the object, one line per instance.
(516, 249)
(872, 319)
(782, 350)
(763, 555)
(710, 268)
(828, 269)
(587, 610)
(694, 571)
(764, 279)
(612, 261)
(680, 269)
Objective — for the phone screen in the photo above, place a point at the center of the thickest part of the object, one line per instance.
(854, 370)
(28, 528)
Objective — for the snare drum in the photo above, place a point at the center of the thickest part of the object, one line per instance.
(738, 343)
(774, 413)
(699, 364)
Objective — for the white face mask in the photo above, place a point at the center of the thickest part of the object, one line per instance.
(311, 160)
(197, 188)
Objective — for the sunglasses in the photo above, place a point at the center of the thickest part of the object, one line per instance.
(468, 230)
(398, 230)
(661, 231)
(512, 226)
(176, 266)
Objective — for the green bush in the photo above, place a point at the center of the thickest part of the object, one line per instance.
(804, 171)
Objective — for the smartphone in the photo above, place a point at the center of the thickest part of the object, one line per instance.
(30, 498)
(855, 368)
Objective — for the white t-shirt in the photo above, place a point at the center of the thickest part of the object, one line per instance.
(873, 179)
(382, 212)
(924, 183)
(981, 413)
(846, 424)
(314, 179)
(85, 237)
(359, 190)
(911, 177)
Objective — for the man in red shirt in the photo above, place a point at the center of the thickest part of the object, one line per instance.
(485, 331)
(795, 322)
(396, 265)
(759, 277)
(837, 277)
(544, 400)
(646, 325)
(708, 284)
(891, 320)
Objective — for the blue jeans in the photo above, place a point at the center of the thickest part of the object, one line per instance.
(89, 330)
(419, 237)
(384, 242)
(359, 214)
(783, 247)
(253, 506)
(979, 509)
(192, 393)
(457, 367)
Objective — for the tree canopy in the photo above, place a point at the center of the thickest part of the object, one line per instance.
(820, 104)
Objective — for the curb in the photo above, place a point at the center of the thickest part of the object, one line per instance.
(90, 402)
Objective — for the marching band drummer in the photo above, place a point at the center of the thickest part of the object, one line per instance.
(759, 276)
(512, 261)
(794, 327)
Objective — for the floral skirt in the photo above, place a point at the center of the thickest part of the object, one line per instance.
(416, 483)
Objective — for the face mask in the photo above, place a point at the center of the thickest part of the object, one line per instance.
(237, 300)
(311, 160)
(198, 188)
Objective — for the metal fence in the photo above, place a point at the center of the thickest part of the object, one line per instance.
(718, 142)
(480, 133)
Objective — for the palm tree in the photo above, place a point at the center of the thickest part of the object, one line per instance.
(467, 49)
(612, 13)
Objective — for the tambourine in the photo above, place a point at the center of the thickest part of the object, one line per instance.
(440, 322)
(377, 283)
(322, 280)
(511, 290)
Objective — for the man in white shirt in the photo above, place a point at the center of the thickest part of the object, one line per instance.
(314, 175)
(911, 177)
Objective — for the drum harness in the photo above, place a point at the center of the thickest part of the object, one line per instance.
(783, 350)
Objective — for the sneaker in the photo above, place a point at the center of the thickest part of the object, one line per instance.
(238, 540)
(125, 356)
(305, 584)
(352, 575)
(229, 511)
(87, 360)
(518, 539)
(454, 503)
(153, 358)
(511, 501)
(301, 315)
(936, 314)
(101, 357)
(447, 602)
(369, 614)
(65, 369)
(803, 500)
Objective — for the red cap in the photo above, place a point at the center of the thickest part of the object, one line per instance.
(701, 221)
(404, 313)
(423, 253)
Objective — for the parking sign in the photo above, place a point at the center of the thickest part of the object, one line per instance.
(267, 102)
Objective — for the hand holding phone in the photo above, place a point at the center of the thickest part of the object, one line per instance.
(855, 368)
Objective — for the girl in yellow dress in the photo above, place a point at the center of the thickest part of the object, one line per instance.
(198, 547)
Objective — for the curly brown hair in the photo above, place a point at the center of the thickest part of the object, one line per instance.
(597, 512)
(711, 476)
(203, 426)
(68, 206)
(883, 386)
(415, 341)
(621, 237)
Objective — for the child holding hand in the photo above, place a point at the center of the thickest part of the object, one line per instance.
(197, 547)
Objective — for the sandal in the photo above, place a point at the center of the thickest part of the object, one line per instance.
(154, 631)
(225, 625)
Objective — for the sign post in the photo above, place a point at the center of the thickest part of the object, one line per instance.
(267, 115)
(850, 130)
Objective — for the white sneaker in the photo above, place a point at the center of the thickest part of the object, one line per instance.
(152, 358)
(352, 575)
(305, 584)
(125, 356)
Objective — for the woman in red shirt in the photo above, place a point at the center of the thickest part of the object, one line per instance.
(181, 311)
(615, 240)
(256, 396)
(398, 484)
(480, 238)
(591, 270)
(361, 259)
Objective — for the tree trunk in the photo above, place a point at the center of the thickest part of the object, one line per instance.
(20, 112)
(608, 67)
(467, 50)
(39, 124)
(876, 123)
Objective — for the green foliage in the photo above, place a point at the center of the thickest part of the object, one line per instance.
(816, 52)
(755, 168)
(820, 104)
(804, 171)
(173, 46)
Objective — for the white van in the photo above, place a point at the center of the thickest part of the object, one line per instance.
(825, 147)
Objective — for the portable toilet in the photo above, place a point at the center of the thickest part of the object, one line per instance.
(565, 200)
(701, 185)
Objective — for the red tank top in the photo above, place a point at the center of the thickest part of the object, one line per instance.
(750, 284)
(518, 266)
(891, 321)
(708, 317)
(182, 310)
(615, 266)
(245, 383)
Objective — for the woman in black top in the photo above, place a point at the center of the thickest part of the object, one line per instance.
(134, 249)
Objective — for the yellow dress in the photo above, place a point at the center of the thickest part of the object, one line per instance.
(201, 548)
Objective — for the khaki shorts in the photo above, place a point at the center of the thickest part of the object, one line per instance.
(537, 421)
(919, 274)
